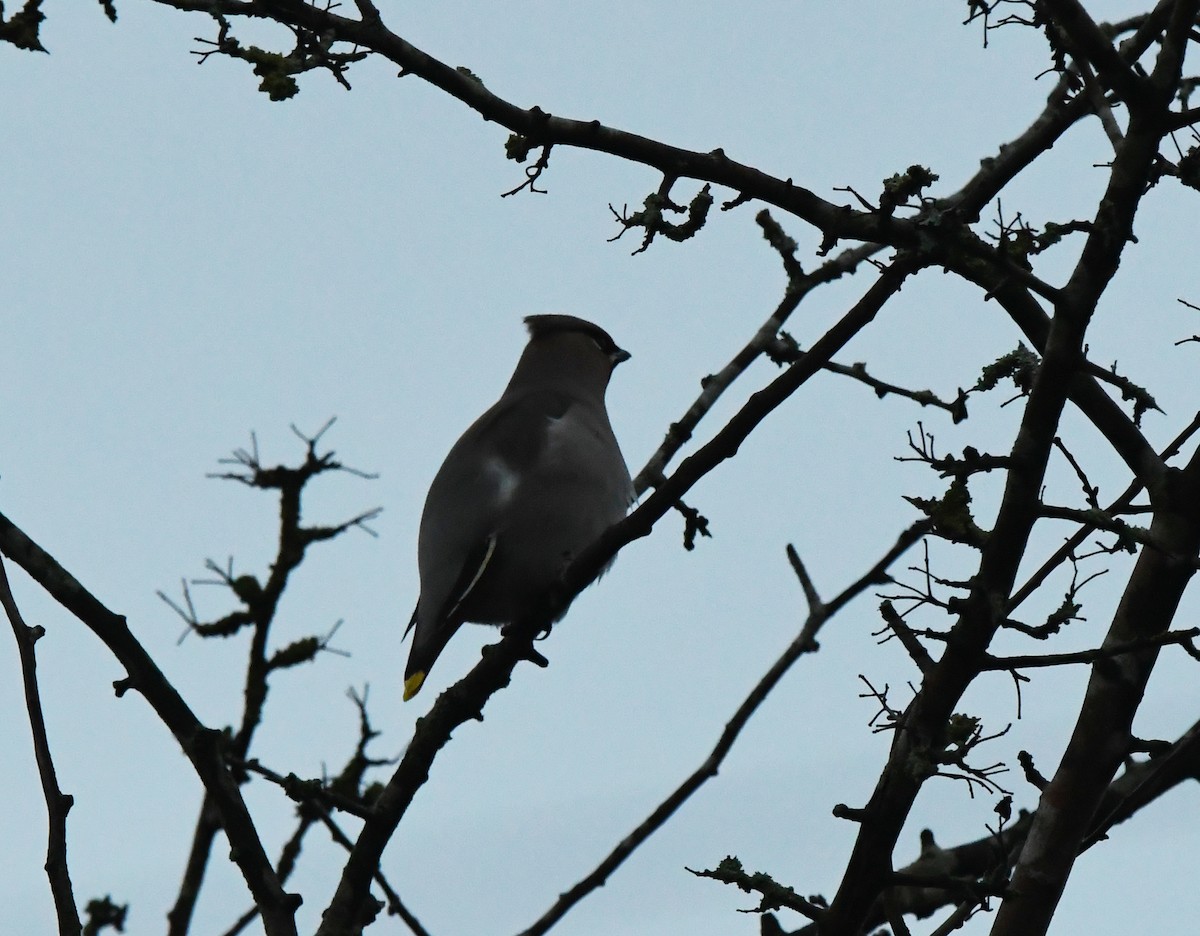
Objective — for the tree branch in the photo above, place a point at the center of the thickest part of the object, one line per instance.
(805, 642)
(260, 604)
(202, 745)
(1085, 39)
(1147, 607)
(921, 734)
(58, 804)
(714, 385)
(1030, 661)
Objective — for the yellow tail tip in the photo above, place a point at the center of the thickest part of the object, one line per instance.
(412, 685)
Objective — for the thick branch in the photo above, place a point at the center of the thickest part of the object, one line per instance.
(1102, 733)
(921, 732)
(1087, 41)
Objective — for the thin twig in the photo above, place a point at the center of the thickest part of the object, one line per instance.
(714, 385)
(1183, 637)
(1067, 549)
(58, 804)
(259, 602)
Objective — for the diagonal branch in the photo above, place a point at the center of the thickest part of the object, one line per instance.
(1086, 40)
(202, 745)
(1067, 549)
(922, 733)
(1090, 398)
(1100, 739)
(1140, 784)
(1101, 736)
(537, 128)
(805, 642)
(714, 385)
(1143, 782)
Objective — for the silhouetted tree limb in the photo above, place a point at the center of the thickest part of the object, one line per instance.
(201, 745)
(259, 606)
(58, 803)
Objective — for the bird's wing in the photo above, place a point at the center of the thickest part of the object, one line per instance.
(468, 577)
(469, 495)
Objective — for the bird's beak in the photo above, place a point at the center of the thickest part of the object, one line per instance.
(620, 356)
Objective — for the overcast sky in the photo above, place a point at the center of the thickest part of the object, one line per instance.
(184, 262)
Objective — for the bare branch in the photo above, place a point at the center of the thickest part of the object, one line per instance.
(1031, 661)
(260, 603)
(202, 745)
(907, 638)
(773, 895)
(1084, 39)
(58, 803)
(805, 642)
(1064, 552)
(714, 385)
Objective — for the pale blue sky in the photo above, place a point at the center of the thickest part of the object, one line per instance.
(183, 261)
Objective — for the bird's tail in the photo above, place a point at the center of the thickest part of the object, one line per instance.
(429, 640)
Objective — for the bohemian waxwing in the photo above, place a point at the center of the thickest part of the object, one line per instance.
(535, 480)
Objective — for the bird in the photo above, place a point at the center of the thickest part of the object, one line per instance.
(533, 482)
